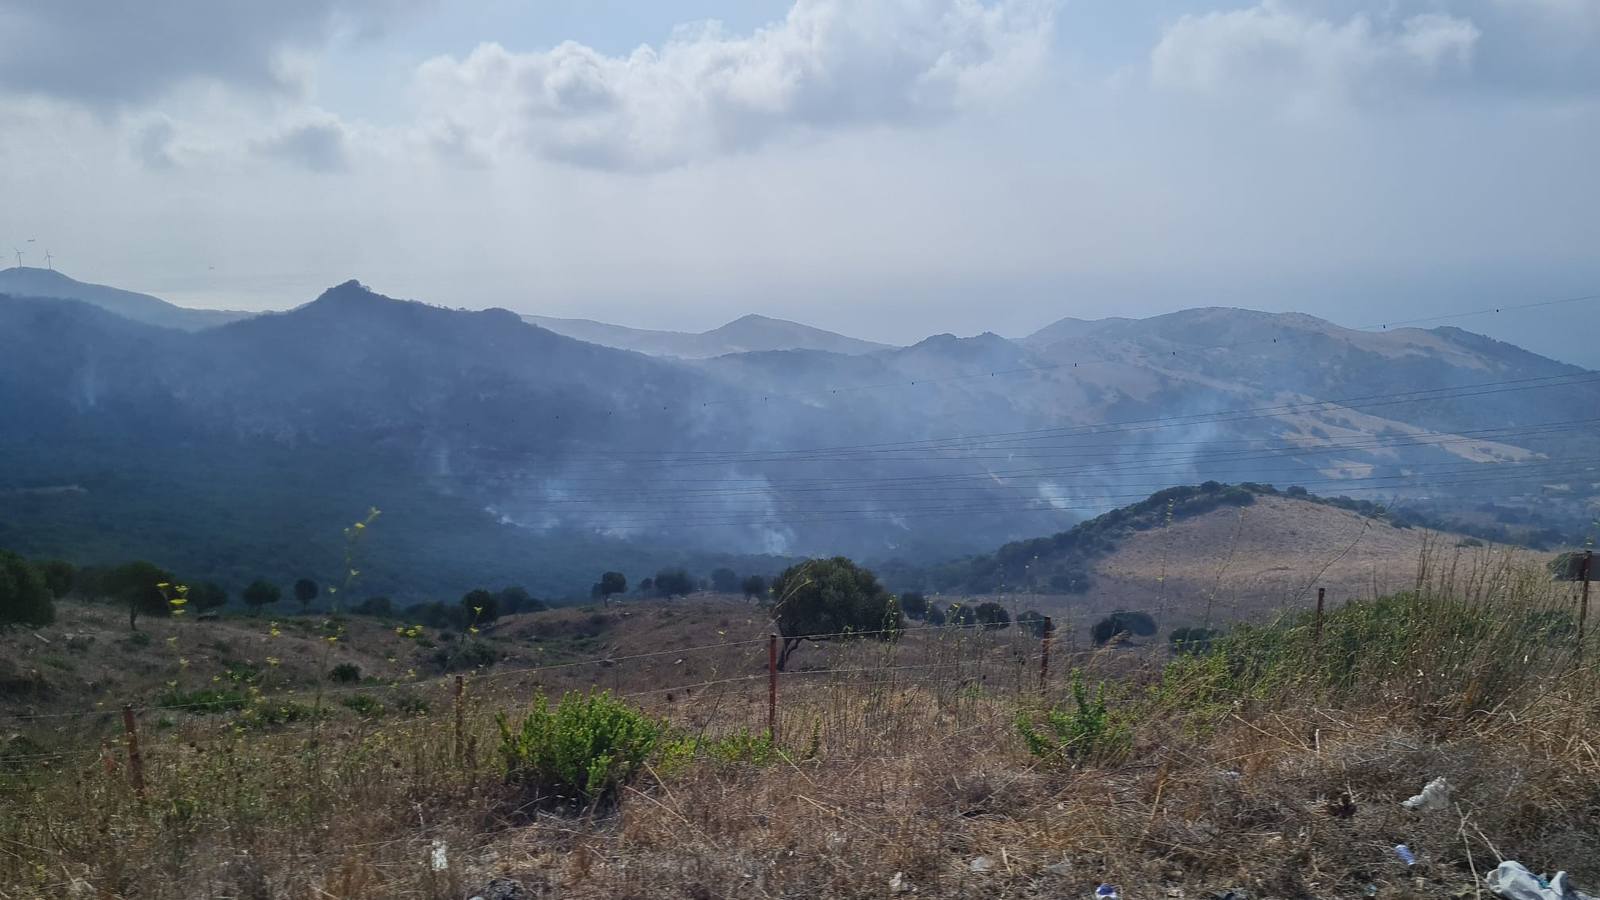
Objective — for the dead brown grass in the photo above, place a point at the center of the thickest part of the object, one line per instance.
(901, 768)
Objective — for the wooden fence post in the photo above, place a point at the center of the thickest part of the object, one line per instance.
(1583, 602)
(130, 729)
(772, 688)
(1317, 629)
(461, 722)
(1044, 649)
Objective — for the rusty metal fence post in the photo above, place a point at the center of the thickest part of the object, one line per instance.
(772, 688)
(130, 730)
(1044, 653)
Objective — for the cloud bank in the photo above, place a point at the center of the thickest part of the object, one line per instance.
(828, 65)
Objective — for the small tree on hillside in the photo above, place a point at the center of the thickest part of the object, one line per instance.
(260, 592)
(514, 599)
(934, 615)
(647, 586)
(824, 598)
(610, 583)
(137, 585)
(753, 586)
(480, 607)
(914, 604)
(305, 591)
(58, 576)
(207, 596)
(24, 596)
(1032, 622)
(673, 583)
(725, 581)
(992, 616)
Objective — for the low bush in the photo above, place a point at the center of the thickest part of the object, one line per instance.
(579, 753)
(345, 673)
(1086, 732)
(205, 700)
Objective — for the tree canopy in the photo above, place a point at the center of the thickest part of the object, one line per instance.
(827, 598)
(480, 607)
(261, 593)
(305, 591)
(724, 580)
(24, 596)
(610, 583)
(753, 586)
(138, 585)
(673, 583)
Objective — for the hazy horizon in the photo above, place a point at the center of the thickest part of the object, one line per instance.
(884, 170)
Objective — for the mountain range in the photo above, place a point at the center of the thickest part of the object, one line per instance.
(503, 451)
(745, 334)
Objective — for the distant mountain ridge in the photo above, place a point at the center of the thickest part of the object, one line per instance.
(505, 451)
(25, 281)
(746, 334)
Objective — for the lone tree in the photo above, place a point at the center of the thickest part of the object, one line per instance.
(480, 607)
(673, 583)
(137, 584)
(24, 596)
(725, 581)
(610, 583)
(58, 576)
(1122, 622)
(1033, 622)
(207, 596)
(305, 591)
(992, 616)
(753, 586)
(261, 592)
(914, 604)
(827, 598)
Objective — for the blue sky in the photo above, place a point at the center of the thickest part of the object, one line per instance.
(888, 168)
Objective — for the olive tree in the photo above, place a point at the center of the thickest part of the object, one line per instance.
(821, 599)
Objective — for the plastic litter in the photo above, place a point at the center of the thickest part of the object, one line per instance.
(982, 865)
(438, 857)
(1434, 797)
(1405, 854)
(1107, 892)
(1512, 881)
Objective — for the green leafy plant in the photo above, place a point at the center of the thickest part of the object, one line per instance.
(578, 753)
(1088, 731)
(345, 673)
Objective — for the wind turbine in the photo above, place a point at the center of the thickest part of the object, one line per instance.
(47, 259)
(19, 259)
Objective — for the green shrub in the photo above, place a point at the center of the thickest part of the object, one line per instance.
(1192, 639)
(205, 700)
(578, 753)
(1086, 732)
(740, 747)
(25, 597)
(364, 705)
(345, 673)
(282, 712)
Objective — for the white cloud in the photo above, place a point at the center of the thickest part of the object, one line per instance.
(320, 143)
(1309, 63)
(830, 64)
(108, 55)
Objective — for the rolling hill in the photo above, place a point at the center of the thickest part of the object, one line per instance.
(743, 335)
(505, 452)
(24, 281)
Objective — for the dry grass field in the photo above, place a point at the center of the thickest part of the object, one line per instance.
(1274, 765)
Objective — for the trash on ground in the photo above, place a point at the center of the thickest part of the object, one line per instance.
(1107, 892)
(1405, 854)
(437, 858)
(1512, 881)
(1435, 796)
(982, 865)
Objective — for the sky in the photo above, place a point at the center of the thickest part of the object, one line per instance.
(885, 168)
